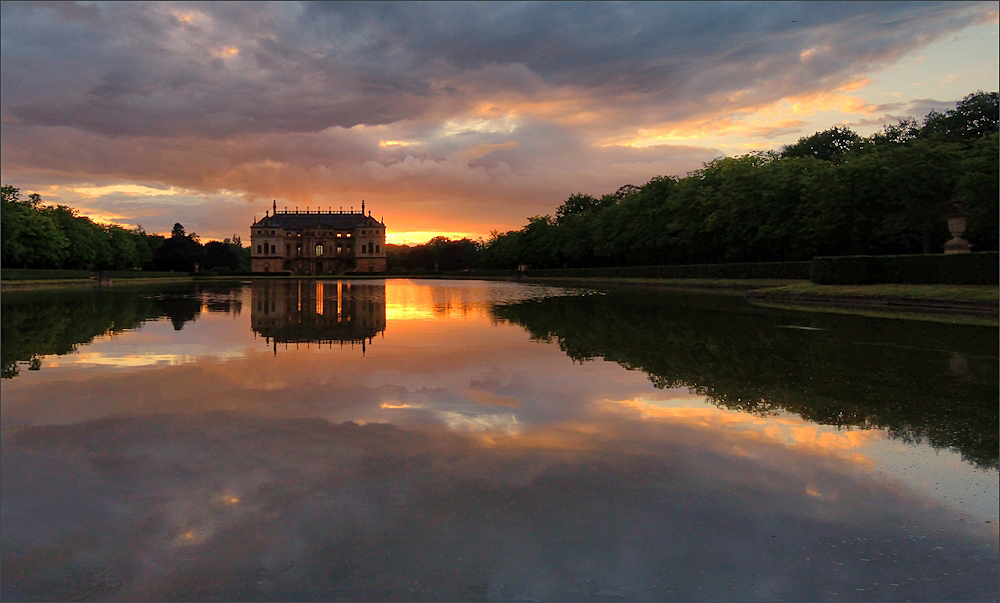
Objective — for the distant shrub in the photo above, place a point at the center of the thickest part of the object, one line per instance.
(979, 268)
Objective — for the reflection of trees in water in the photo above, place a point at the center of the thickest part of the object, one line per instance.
(56, 321)
(918, 380)
(322, 312)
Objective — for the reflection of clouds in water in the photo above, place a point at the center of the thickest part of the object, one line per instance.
(787, 429)
(226, 505)
(505, 423)
(99, 359)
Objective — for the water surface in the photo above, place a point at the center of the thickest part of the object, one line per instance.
(442, 440)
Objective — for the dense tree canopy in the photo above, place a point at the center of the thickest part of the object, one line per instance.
(832, 193)
(33, 235)
(440, 253)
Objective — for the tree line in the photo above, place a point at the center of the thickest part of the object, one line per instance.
(438, 254)
(832, 193)
(33, 235)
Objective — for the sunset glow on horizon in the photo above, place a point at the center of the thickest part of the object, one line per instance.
(452, 119)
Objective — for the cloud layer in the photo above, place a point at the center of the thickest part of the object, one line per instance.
(447, 116)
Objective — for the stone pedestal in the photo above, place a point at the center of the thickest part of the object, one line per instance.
(957, 217)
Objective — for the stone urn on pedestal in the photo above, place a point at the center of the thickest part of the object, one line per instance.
(957, 217)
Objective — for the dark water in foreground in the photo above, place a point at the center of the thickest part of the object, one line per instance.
(442, 440)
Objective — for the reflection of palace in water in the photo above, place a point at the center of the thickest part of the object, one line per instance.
(317, 312)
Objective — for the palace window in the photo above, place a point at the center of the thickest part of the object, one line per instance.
(258, 249)
(273, 249)
(319, 250)
(376, 249)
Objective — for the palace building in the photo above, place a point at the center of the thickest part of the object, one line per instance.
(314, 243)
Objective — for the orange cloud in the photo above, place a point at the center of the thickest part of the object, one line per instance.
(761, 120)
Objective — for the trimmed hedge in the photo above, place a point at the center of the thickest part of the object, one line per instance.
(980, 268)
(18, 274)
(27, 274)
(783, 270)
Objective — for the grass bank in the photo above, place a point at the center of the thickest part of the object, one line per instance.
(967, 293)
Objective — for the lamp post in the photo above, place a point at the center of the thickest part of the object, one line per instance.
(957, 217)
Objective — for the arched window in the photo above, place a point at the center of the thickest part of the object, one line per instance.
(319, 250)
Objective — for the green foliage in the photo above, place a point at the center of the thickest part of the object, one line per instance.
(43, 237)
(958, 269)
(437, 255)
(576, 204)
(31, 238)
(975, 117)
(226, 257)
(901, 132)
(978, 189)
(180, 252)
(827, 145)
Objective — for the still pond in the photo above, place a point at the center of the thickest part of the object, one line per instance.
(465, 440)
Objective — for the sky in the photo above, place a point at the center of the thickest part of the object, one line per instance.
(453, 119)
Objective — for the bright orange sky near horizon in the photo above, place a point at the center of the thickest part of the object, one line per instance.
(446, 119)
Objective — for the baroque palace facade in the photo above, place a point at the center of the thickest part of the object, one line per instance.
(314, 243)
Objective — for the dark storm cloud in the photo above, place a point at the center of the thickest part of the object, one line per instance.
(163, 70)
